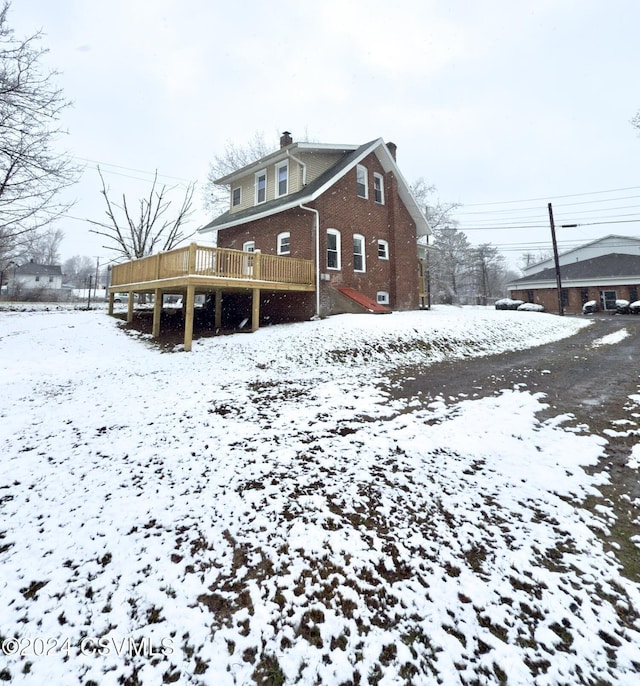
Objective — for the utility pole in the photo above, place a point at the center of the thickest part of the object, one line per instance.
(556, 260)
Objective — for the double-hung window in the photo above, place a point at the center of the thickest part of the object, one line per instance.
(282, 178)
(236, 196)
(284, 243)
(333, 249)
(261, 186)
(378, 188)
(359, 263)
(362, 181)
(383, 250)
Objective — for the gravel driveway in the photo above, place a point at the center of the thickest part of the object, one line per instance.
(584, 376)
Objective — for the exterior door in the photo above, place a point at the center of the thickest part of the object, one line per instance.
(608, 300)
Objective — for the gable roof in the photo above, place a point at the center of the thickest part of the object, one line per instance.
(604, 267)
(352, 157)
(611, 242)
(35, 269)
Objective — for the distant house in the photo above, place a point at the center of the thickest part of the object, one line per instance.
(604, 270)
(345, 207)
(33, 276)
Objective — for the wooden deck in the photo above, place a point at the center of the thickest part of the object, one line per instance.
(201, 269)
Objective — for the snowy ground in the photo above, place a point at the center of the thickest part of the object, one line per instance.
(258, 511)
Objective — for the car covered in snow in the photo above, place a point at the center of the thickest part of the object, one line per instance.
(590, 307)
(622, 307)
(530, 307)
(634, 307)
(508, 304)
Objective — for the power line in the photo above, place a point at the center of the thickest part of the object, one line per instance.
(553, 197)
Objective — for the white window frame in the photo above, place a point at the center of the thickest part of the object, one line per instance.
(383, 247)
(283, 165)
(359, 238)
(284, 239)
(238, 189)
(362, 171)
(378, 187)
(336, 233)
(382, 297)
(258, 176)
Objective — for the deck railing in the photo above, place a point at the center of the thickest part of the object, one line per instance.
(198, 260)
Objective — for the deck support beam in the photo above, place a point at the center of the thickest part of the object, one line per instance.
(255, 309)
(218, 314)
(130, 308)
(157, 312)
(188, 318)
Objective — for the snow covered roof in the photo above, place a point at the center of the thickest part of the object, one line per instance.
(35, 269)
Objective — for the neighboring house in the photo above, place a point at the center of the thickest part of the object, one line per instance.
(604, 270)
(35, 277)
(347, 208)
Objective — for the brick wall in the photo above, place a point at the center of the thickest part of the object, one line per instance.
(574, 297)
(340, 208)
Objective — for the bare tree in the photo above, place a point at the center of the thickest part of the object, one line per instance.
(44, 248)
(78, 269)
(233, 157)
(438, 213)
(635, 121)
(32, 172)
(148, 232)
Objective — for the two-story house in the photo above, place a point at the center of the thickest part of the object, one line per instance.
(345, 207)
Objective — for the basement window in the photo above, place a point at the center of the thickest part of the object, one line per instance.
(382, 297)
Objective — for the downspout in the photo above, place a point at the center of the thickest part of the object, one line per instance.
(317, 242)
(304, 168)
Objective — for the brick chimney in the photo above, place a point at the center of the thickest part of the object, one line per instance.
(285, 139)
(392, 149)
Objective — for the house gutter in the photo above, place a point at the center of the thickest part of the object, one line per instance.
(317, 245)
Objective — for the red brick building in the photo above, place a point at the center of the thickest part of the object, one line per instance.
(605, 270)
(345, 207)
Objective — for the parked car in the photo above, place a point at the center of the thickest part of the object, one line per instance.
(531, 307)
(622, 307)
(634, 307)
(124, 297)
(590, 307)
(508, 304)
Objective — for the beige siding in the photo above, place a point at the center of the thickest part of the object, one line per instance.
(316, 164)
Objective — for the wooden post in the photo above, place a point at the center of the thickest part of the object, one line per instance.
(111, 297)
(256, 264)
(130, 308)
(255, 310)
(157, 312)
(157, 266)
(218, 315)
(188, 320)
(191, 268)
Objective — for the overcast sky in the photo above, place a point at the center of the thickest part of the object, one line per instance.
(503, 105)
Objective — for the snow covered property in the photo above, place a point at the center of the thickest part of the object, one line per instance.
(264, 512)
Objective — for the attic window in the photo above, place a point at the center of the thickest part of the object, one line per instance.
(282, 178)
(236, 196)
(362, 181)
(261, 186)
(378, 188)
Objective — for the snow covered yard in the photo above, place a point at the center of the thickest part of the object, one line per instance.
(259, 511)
